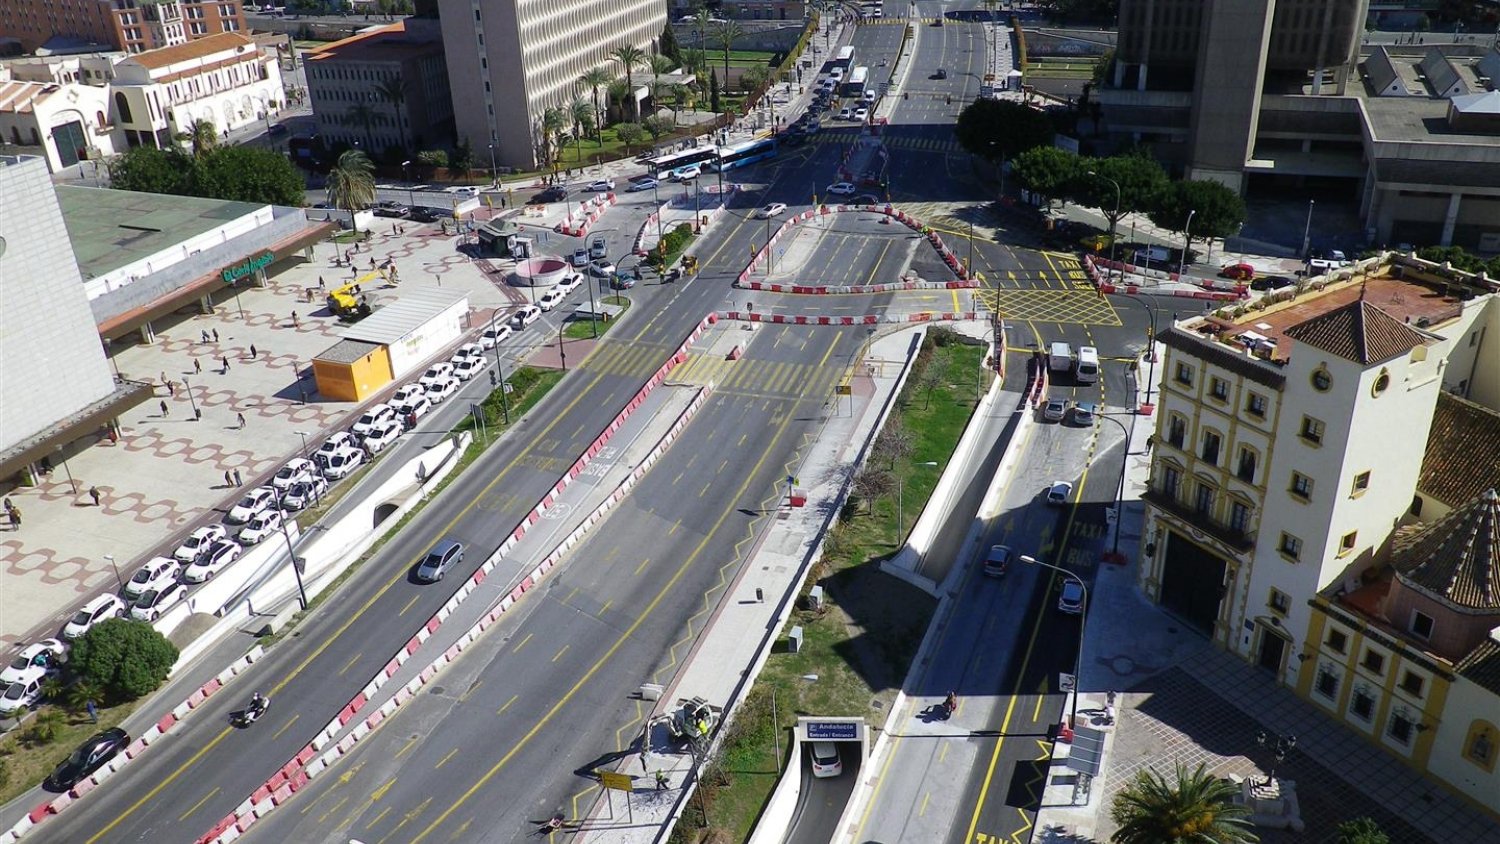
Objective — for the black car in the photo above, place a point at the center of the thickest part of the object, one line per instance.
(88, 758)
(1271, 282)
(425, 214)
(942, 73)
(556, 193)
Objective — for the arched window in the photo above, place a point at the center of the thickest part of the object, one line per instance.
(99, 116)
(122, 106)
(1482, 745)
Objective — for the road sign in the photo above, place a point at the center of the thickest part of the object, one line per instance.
(832, 730)
(616, 781)
(844, 390)
(989, 77)
(986, 92)
(1065, 682)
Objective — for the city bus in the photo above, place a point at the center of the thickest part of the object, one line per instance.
(661, 166)
(854, 86)
(743, 154)
(844, 58)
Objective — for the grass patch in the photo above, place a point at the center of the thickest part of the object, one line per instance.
(861, 642)
(25, 762)
(579, 329)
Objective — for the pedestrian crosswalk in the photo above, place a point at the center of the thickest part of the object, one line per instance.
(895, 21)
(947, 146)
(746, 376)
(953, 216)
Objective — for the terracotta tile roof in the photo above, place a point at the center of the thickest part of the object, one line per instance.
(1359, 332)
(1463, 451)
(1482, 665)
(201, 48)
(20, 97)
(1457, 558)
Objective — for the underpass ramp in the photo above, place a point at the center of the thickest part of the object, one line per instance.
(813, 794)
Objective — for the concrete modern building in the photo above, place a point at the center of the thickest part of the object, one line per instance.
(350, 79)
(133, 26)
(1274, 97)
(511, 60)
(224, 79)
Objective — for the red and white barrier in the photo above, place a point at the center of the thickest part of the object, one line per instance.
(824, 210)
(588, 213)
(821, 289)
(308, 762)
(1217, 290)
(867, 319)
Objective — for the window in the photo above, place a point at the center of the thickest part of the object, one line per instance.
(1337, 641)
(1239, 517)
(1177, 432)
(1416, 506)
(1171, 482)
(1290, 546)
(1204, 504)
(1312, 430)
(1211, 443)
(1327, 683)
(1246, 469)
(1362, 704)
(1401, 726)
(1347, 541)
(1361, 483)
(1412, 683)
(1301, 486)
(1321, 380)
(1373, 663)
(1219, 389)
(1279, 602)
(1381, 384)
(1184, 375)
(1421, 624)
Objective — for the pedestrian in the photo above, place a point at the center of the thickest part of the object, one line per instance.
(228, 478)
(163, 378)
(296, 323)
(661, 781)
(197, 367)
(216, 335)
(94, 494)
(254, 353)
(164, 409)
(320, 283)
(238, 481)
(204, 335)
(223, 365)
(241, 417)
(15, 517)
(92, 710)
(172, 389)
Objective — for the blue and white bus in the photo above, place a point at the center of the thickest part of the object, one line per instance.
(661, 167)
(844, 58)
(743, 154)
(854, 86)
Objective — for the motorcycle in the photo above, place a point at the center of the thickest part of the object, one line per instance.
(252, 713)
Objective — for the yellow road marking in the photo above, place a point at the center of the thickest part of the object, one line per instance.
(409, 603)
(350, 664)
(627, 634)
(472, 689)
(561, 652)
(517, 648)
(922, 810)
(334, 808)
(956, 307)
(197, 806)
(405, 747)
(290, 722)
(383, 813)
(379, 793)
(642, 567)
(513, 699)
(444, 760)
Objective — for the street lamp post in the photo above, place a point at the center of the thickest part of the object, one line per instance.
(317, 497)
(1082, 620)
(411, 195)
(901, 499)
(562, 351)
(1114, 553)
(1307, 232)
(1150, 342)
(291, 551)
(1187, 242)
(493, 180)
(187, 385)
(1113, 221)
(1280, 746)
(118, 579)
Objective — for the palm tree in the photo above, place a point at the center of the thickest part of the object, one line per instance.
(659, 64)
(203, 135)
(361, 114)
(680, 94)
(393, 91)
(700, 26)
(554, 120)
(618, 91)
(630, 57)
(659, 92)
(351, 182)
(727, 31)
(582, 114)
(593, 79)
(1198, 809)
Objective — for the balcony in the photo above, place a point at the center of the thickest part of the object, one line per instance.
(1236, 538)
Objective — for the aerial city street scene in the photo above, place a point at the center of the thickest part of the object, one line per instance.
(750, 421)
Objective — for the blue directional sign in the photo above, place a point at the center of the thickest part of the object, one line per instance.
(832, 731)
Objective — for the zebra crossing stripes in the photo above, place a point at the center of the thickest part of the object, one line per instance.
(895, 21)
(629, 359)
(759, 378)
(943, 145)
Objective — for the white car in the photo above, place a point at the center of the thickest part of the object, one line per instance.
(405, 394)
(846, 113)
(219, 556)
(493, 337)
(339, 441)
(861, 114)
(198, 542)
(439, 390)
(156, 573)
(1059, 493)
(341, 464)
(772, 210)
(436, 372)
(469, 367)
(570, 283)
(100, 609)
(151, 605)
(467, 350)
(254, 501)
(842, 189)
(34, 661)
(298, 469)
(525, 316)
(20, 696)
(601, 186)
(304, 494)
(646, 183)
(466, 190)
(382, 437)
(869, 96)
(551, 299)
(686, 174)
(377, 415)
(825, 759)
(410, 411)
(260, 527)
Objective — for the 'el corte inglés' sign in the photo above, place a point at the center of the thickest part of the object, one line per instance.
(246, 267)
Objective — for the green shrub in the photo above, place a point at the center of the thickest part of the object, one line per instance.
(433, 158)
(124, 659)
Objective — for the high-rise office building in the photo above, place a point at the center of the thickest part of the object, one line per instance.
(511, 60)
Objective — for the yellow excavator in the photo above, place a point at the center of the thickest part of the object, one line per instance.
(349, 302)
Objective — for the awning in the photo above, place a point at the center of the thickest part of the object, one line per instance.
(126, 395)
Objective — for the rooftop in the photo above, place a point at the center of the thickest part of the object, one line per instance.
(1457, 558)
(393, 322)
(198, 49)
(387, 43)
(113, 228)
(1463, 451)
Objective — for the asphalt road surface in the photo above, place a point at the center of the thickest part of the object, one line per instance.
(822, 801)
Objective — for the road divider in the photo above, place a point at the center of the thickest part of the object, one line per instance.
(867, 319)
(890, 211)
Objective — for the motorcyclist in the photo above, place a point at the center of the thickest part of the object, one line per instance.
(257, 703)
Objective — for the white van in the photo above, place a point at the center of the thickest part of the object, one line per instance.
(1086, 370)
(1060, 357)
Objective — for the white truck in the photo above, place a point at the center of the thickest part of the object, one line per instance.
(1060, 358)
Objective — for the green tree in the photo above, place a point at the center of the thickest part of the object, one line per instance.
(393, 91)
(554, 121)
(726, 32)
(630, 57)
(659, 65)
(152, 170)
(433, 158)
(657, 126)
(1361, 831)
(363, 115)
(462, 158)
(1198, 808)
(629, 134)
(1047, 171)
(202, 135)
(1002, 129)
(582, 115)
(1198, 209)
(666, 45)
(1140, 179)
(351, 182)
(125, 659)
(594, 79)
(249, 174)
(713, 91)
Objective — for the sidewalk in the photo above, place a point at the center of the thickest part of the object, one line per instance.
(742, 628)
(1183, 700)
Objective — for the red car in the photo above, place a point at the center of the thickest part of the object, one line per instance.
(1238, 272)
